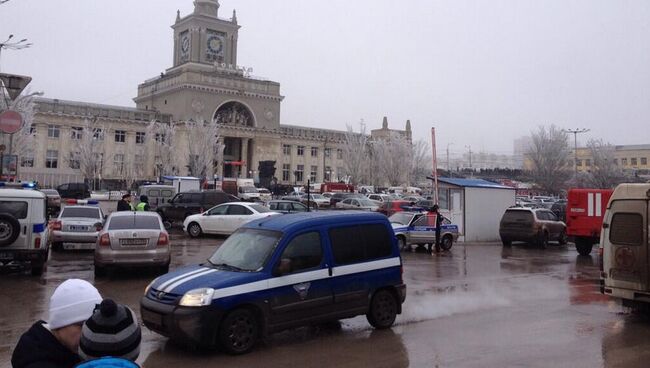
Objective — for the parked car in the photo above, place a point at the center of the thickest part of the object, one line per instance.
(380, 198)
(24, 235)
(537, 226)
(327, 195)
(426, 204)
(265, 194)
(419, 228)
(190, 203)
(77, 224)
(316, 199)
(295, 196)
(287, 206)
(338, 197)
(225, 218)
(278, 273)
(391, 207)
(559, 209)
(358, 204)
(53, 201)
(413, 199)
(132, 239)
(74, 190)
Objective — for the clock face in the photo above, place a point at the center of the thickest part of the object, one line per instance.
(215, 44)
(185, 44)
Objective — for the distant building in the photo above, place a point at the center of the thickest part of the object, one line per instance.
(204, 83)
(629, 158)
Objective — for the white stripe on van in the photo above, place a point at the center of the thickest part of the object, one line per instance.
(599, 203)
(304, 277)
(184, 280)
(590, 204)
(174, 279)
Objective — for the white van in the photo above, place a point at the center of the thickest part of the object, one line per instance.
(624, 245)
(157, 194)
(24, 235)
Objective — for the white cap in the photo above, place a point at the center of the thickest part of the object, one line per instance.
(72, 302)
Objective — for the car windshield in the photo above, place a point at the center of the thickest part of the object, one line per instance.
(84, 212)
(246, 250)
(134, 222)
(249, 190)
(400, 218)
(264, 191)
(317, 196)
(259, 208)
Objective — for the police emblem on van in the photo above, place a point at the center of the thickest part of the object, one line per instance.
(302, 289)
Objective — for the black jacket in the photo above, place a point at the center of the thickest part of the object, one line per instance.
(123, 205)
(38, 348)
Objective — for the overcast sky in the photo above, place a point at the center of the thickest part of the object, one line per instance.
(481, 72)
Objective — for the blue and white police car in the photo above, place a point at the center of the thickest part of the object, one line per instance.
(281, 272)
(419, 228)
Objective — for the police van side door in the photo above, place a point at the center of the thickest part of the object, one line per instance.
(301, 282)
(625, 230)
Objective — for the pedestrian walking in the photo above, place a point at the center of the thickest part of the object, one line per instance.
(144, 204)
(55, 344)
(125, 204)
(438, 224)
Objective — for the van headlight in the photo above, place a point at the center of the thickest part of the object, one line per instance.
(197, 298)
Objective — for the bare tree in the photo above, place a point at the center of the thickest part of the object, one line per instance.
(89, 150)
(165, 146)
(23, 140)
(604, 173)
(356, 153)
(549, 155)
(203, 148)
(421, 162)
(391, 154)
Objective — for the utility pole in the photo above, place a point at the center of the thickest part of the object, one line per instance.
(575, 133)
(448, 170)
(470, 159)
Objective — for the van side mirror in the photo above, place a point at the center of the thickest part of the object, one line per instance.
(283, 267)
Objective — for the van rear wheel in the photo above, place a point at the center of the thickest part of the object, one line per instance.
(383, 310)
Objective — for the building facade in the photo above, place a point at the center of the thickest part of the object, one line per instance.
(203, 84)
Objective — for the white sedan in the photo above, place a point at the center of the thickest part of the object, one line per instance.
(358, 204)
(225, 218)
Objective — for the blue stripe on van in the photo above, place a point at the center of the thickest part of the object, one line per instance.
(39, 228)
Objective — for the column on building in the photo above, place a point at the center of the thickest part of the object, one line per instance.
(244, 157)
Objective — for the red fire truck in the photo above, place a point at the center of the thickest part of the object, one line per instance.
(584, 216)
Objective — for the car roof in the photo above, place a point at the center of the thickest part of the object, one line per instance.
(80, 206)
(297, 221)
(240, 203)
(133, 213)
(21, 193)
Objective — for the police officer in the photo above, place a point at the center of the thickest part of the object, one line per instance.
(435, 210)
(144, 204)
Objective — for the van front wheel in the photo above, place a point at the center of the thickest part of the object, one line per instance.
(238, 331)
(383, 310)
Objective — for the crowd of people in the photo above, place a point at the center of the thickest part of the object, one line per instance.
(83, 330)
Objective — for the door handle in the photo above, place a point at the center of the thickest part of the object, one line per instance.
(329, 270)
(25, 230)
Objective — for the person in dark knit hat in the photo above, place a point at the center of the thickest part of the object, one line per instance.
(113, 330)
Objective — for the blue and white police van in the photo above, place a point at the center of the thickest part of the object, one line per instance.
(419, 228)
(281, 272)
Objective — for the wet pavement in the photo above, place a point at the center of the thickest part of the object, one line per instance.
(480, 305)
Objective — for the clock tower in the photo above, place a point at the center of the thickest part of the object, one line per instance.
(204, 38)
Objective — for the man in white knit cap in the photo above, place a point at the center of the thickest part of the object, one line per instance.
(55, 343)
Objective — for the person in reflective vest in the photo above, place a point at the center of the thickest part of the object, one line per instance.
(438, 223)
(144, 204)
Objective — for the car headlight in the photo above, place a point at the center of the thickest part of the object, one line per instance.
(197, 298)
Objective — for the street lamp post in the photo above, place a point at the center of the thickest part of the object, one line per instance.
(575, 133)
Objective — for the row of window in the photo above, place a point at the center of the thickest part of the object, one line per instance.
(74, 161)
(76, 133)
(299, 173)
(300, 151)
(624, 161)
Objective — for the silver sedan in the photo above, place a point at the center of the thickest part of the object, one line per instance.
(358, 204)
(132, 239)
(77, 224)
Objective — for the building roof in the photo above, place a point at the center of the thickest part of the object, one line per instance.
(473, 183)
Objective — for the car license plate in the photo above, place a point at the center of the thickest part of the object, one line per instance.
(133, 242)
(152, 317)
(79, 246)
(78, 228)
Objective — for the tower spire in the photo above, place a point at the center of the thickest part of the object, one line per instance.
(234, 16)
(207, 7)
(384, 124)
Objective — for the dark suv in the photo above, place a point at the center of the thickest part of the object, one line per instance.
(190, 203)
(74, 190)
(537, 226)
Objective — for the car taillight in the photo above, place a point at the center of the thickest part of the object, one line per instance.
(105, 240)
(56, 225)
(37, 243)
(163, 240)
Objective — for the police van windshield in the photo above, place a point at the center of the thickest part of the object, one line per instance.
(246, 250)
